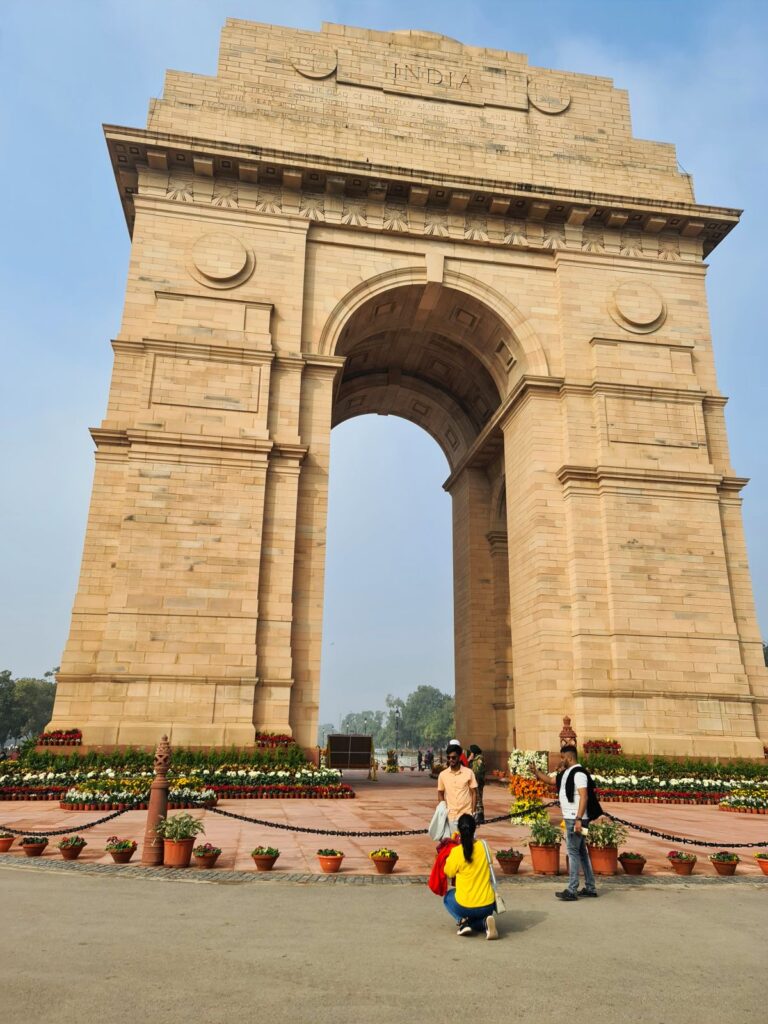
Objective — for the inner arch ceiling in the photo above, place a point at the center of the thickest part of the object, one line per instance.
(430, 354)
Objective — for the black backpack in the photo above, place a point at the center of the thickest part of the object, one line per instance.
(594, 810)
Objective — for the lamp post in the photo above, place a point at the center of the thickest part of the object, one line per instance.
(397, 730)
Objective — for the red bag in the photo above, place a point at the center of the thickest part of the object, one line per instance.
(438, 880)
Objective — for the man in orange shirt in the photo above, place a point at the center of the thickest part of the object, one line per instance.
(457, 786)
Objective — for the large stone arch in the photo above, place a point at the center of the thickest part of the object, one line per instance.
(551, 261)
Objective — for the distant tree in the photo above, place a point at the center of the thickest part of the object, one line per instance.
(324, 730)
(10, 718)
(26, 706)
(364, 723)
(765, 654)
(35, 699)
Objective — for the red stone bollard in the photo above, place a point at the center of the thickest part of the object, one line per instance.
(152, 851)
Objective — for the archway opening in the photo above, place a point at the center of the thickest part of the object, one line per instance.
(388, 606)
(440, 359)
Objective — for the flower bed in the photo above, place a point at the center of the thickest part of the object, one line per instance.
(61, 738)
(683, 790)
(745, 802)
(601, 747)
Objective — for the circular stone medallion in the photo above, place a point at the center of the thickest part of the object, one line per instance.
(638, 307)
(548, 94)
(220, 260)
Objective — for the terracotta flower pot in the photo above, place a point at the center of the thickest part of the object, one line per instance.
(330, 865)
(71, 852)
(633, 866)
(604, 859)
(6, 843)
(177, 853)
(264, 862)
(384, 865)
(545, 860)
(34, 849)
(724, 867)
(509, 865)
(205, 860)
(682, 867)
(763, 866)
(122, 856)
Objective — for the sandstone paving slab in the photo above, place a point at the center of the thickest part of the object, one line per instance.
(394, 803)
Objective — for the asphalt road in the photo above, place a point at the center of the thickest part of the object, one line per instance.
(106, 949)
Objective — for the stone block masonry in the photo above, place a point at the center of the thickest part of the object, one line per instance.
(346, 222)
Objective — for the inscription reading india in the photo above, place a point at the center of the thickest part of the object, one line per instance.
(406, 74)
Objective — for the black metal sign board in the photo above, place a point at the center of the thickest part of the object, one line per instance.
(349, 751)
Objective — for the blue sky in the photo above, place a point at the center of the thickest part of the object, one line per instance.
(696, 76)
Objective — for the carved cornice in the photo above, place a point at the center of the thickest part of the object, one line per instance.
(625, 475)
(398, 199)
(192, 444)
(639, 694)
(194, 349)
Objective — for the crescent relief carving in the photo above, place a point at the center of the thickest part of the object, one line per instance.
(315, 63)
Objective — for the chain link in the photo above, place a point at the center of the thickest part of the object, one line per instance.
(60, 831)
(682, 839)
(337, 832)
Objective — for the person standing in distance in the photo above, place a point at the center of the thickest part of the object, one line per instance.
(456, 785)
(575, 793)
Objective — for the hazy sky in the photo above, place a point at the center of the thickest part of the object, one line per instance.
(696, 77)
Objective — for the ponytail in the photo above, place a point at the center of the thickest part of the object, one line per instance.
(467, 827)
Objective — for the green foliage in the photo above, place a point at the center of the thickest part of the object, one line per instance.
(329, 852)
(426, 720)
(265, 851)
(182, 759)
(544, 833)
(605, 835)
(179, 826)
(666, 768)
(26, 706)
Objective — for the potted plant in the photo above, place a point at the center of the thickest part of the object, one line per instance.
(681, 862)
(384, 859)
(121, 850)
(33, 846)
(762, 862)
(330, 860)
(178, 834)
(633, 863)
(509, 861)
(6, 841)
(544, 845)
(264, 857)
(206, 855)
(725, 862)
(604, 839)
(71, 847)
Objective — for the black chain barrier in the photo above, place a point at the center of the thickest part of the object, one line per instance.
(336, 832)
(354, 835)
(60, 831)
(682, 839)
(666, 836)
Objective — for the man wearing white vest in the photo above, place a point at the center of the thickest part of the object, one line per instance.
(579, 803)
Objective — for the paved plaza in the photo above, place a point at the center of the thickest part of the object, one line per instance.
(111, 948)
(392, 803)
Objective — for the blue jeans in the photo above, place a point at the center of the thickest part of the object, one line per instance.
(578, 854)
(475, 915)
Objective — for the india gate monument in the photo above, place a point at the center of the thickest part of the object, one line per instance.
(348, 222)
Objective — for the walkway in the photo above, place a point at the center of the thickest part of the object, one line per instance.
(110, 949)
(394, 802)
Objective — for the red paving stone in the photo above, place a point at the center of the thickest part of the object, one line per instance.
(404, 801)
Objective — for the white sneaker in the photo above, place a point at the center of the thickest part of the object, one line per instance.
(490, 928)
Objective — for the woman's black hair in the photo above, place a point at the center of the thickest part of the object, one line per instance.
(467, 827)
